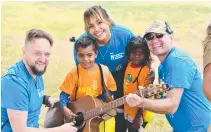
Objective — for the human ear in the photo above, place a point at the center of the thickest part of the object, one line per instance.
(96, 52)
(23, 50)
(171, 37)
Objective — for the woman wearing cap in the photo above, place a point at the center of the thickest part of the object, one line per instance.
(112, 40)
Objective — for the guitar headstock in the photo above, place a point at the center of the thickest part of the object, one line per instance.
(156, 91)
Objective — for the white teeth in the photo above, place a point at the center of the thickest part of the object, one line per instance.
(156, 46)
(87, 63)
(98, 34)
(41, 64)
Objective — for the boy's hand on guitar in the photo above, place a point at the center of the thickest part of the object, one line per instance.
(68, 113)
(136, 123)
(150, 77)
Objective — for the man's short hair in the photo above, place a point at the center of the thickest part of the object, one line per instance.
(37, 33)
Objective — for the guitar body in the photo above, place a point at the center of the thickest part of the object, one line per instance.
(89, 108)
(92, 125)
(55, 117)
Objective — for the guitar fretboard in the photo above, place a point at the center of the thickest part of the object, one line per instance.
(104, 108)
(151, 91)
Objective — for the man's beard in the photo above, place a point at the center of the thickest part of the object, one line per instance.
(36, 71)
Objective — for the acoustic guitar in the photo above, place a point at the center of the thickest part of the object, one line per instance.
(89, 110)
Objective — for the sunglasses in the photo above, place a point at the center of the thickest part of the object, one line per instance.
(149, 36)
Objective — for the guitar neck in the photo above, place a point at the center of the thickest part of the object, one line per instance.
(151, 91)
(104, 108)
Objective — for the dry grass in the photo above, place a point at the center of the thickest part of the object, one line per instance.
(65, 19)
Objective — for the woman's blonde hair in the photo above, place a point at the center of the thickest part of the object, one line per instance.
(96, 11)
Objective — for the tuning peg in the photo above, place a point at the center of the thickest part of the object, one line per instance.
(150, 86)
(149, 93)
(155, 91)
(156, 85)
(164, 94)
(158, 96)
(163, 86)
(160, 85)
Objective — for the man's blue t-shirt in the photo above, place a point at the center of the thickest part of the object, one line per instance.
(19, 91)
(179, 70)
(113, 53)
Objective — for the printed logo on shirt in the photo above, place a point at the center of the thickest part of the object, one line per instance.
(88, 91)
(94, 85)
(117, 56)
(128, 78)
(171, 115)
(40, 93)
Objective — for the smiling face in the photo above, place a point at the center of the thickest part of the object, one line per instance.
(86, 56)
(99, 28)
(160, 46)
(137, 56)
(97, 23)
(36, 55)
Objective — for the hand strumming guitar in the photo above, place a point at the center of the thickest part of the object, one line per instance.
(68, 113)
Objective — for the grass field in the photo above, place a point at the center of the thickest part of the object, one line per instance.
(65, 19)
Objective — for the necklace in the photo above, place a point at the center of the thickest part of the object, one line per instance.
(103, 56)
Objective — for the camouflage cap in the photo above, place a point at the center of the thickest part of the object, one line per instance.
(159, 27)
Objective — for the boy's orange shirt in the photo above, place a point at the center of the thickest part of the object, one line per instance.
(88, 82)
(129, 87)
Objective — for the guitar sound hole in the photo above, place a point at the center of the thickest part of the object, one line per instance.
(79, 119)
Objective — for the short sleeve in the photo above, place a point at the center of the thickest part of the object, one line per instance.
(14, 93)
(179, 73)
(69, 84)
